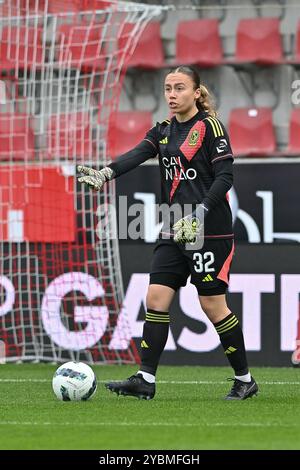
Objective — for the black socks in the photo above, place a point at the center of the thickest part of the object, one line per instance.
(232, 339)
(155, 335)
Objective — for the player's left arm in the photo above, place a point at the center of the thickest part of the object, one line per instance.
(220, 157)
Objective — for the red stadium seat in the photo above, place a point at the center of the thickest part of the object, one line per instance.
(96, 4)
(21, 47)
(198, 42)
(294, 134)
(149, 53)
(17, 7)
(74, 6)
(64, 6)
(81, 46)
(70, 135)
(258, 40)
(251, 132)
(126, 130)
(16, 137)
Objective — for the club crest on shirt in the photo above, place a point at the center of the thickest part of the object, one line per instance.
(193, 139)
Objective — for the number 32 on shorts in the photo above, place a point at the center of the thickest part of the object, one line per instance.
(203, 262)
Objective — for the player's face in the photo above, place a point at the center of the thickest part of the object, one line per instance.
(180, 93)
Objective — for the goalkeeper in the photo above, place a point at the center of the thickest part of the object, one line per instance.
(195, 161)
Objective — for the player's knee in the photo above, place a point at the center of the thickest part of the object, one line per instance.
(155, 300)
(214, 307)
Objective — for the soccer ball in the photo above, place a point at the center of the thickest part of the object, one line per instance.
(74, 381)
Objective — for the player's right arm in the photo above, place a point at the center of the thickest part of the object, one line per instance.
(146, 149)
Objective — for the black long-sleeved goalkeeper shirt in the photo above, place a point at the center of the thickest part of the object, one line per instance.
(195, 161)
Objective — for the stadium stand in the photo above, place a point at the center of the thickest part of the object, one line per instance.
(149, 52)
(294, 133)
(80, 44)
(126, 130)
(16, 137)
(60, 7)
(297, 50)
(20, 47)
(75, 6)
(198, 42)
(296, 58)
(258, 41)
(251, 132)
(70, 135)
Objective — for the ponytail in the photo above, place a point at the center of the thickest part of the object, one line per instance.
(206, 102)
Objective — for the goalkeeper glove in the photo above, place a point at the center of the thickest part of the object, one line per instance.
(187, 229)
(95, 179)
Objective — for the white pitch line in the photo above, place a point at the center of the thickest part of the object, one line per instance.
(25, 380)
(151, 424)
(211, 382)
(175, 382)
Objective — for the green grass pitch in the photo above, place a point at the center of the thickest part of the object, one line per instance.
(188, 411)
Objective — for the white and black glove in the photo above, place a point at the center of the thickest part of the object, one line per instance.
(187, 229)
(95, 179)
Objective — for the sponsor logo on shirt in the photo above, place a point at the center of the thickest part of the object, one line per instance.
(175, 170)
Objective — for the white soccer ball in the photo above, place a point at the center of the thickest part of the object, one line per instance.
(74, 381)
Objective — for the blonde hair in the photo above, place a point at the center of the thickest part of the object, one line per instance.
(206, 102)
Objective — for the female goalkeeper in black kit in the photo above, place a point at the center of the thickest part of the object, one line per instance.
(195, 161)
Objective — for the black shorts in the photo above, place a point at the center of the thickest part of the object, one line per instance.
(208, 267)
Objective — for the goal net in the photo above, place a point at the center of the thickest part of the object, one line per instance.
(61, 63)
